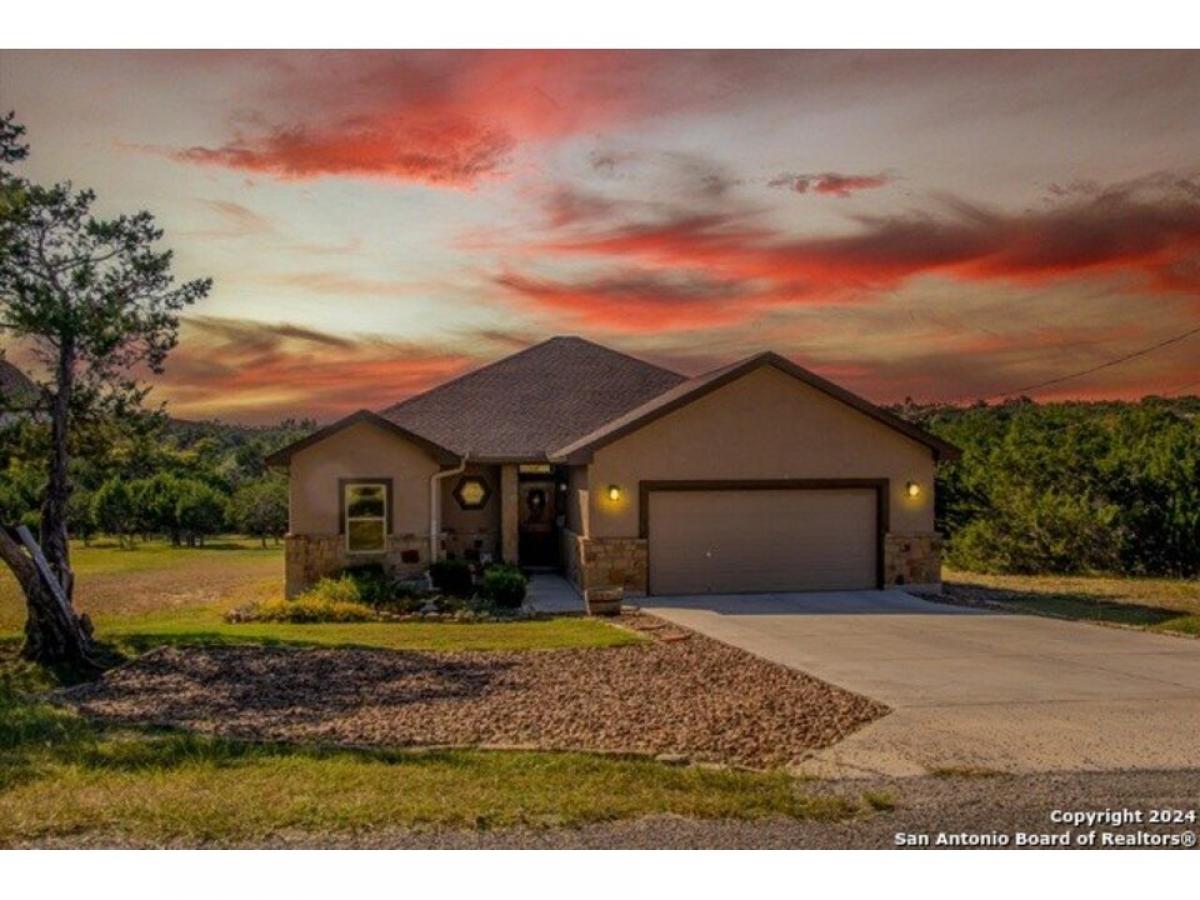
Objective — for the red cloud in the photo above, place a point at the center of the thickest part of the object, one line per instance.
(831, 183)
(1149, 231)
(441, 118)
(634, 302)
(446, 152)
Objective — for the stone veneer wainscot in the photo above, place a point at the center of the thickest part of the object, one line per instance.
(310, 557)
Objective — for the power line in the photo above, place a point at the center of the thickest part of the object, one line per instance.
(1104, 365)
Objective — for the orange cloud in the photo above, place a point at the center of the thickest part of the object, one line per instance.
(255, 372)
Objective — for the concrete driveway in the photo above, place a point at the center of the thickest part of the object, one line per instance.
(971, 689)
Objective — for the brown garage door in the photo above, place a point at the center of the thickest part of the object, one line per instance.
(739, 541)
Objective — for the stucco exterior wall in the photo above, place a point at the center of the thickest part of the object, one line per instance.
(766, 425)
(468, 533)
(360, 451)
(577, 499)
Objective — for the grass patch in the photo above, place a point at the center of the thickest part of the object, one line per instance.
(1154, 604)
(157, 594)
(965, 772)
(203, 627)
(153, 577)
(62, 776)
(878, 801)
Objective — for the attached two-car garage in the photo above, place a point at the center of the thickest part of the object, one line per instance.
(772, 536)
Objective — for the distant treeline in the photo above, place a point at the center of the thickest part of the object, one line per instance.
(1059, 487)
(1071, 487)
(151, 476)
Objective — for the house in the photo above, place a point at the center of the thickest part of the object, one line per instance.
(759, 476)
(18, 394)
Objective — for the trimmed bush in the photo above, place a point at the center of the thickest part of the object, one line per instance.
(505, 586)
(453, 577)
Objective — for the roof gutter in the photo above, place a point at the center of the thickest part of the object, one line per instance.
(435, 504)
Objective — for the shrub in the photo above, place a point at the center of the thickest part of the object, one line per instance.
(452, 576)
(1026, 533)
(505, 586)
(306, 609)
(377, 588)
(342, 589)
(372, 580)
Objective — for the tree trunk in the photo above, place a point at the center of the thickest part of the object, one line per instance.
(52, 634)
(58, 486)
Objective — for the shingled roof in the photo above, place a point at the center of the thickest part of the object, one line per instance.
(581, 449)
(16, 390)
(562, 399)
(528, 404)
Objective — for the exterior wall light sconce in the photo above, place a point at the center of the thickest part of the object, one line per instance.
(614, 492)
(912, 489)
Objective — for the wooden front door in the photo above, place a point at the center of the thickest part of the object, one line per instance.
(537, 520)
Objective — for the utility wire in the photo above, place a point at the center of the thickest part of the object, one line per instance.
(1104, 365)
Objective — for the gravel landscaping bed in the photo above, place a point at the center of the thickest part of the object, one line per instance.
(680, 694)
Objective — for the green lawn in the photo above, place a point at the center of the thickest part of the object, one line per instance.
(1155, 604)
(157, 594)
(66, 778)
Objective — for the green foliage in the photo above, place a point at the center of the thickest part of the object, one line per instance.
(505, 586)
(453, 577)
(153, 455)
(80, 520)
(156, 500)
(113, 509)
(1071, 487)
(260, 508)
(309, 608)
(352, 596)
(199, 510)
(20, 489)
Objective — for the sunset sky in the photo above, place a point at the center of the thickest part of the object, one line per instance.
(937, 225)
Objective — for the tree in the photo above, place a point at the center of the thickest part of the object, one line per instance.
(155, 501)
(260, 509)
(113, 509)
(95, 299)
(79, 514)
(200, 511)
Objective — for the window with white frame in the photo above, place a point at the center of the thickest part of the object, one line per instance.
(366, 516)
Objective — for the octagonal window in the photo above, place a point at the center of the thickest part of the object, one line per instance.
(472, 492)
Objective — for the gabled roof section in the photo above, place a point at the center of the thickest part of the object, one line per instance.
(581, 450)
(283, 456)
(17, 390)
(523, 406)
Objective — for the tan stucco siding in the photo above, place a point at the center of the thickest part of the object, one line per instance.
(468, 521)
(360, 451)
(577, 498)
(765, 425)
